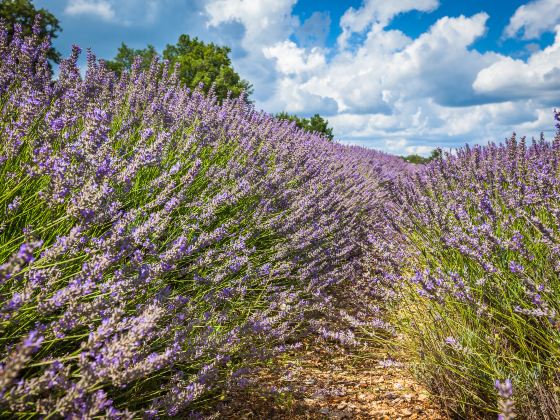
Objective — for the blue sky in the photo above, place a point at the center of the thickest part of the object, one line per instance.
(403, 76)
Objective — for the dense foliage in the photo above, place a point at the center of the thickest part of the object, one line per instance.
(124, 60)
(417, 159)
(197, 63)
(482, 302)
(155, 244)
(24, 13)
(314, 124)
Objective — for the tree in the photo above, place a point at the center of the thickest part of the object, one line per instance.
(320, 125)
(126, 55)
(24, 13)
(197, 63)
(417, 159)
(314, 124)
(208, 64)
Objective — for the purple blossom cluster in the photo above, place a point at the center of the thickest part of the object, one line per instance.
(483, 231)
(154, 244)
(506, 404)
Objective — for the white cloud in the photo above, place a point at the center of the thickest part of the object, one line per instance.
(265, 23)
(124, 12)
(402, 146)
(100, 8)
(386, 90)
(377, 86)
(533, 19)
(389, 68)
(436, 90)
(538, 77)
(290, 59)
(378, 12)
(541, 123)
(419, 149)
(396, 144)
(440, 65)
(297, 99)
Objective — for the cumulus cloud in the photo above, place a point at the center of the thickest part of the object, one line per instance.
(265, 23)
(297, 99)
(377, 86)
(124, 12)
(389, 67)
(100, 8)
(440, 65)
(538, 77)
(293, 60)
(404, 146)
(533, 19)
(381, 88)
(293, 65)
(378, 12)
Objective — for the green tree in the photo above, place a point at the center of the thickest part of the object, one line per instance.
(125, 58)
(435, 154)
(320, 125)
(290, 117)
(314, 124)
(24, 13)
(197, 63)
(209, 64)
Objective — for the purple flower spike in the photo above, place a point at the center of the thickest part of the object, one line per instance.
(515, 267)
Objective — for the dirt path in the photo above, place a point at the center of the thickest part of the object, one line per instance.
(360, 385)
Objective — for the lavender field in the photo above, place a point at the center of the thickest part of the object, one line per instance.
(158, 246)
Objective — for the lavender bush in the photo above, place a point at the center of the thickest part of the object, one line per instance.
(481, 301)
(155, 244)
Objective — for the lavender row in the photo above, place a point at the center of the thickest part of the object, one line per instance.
(482, 282)
(155, 245)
